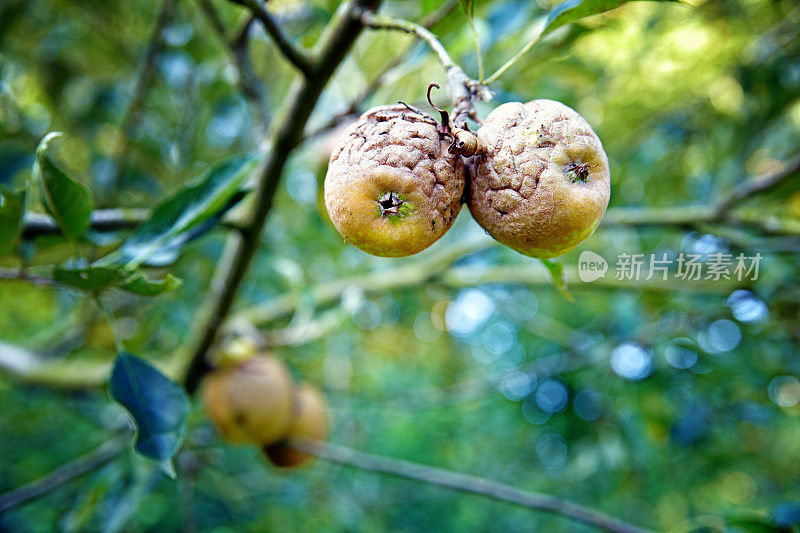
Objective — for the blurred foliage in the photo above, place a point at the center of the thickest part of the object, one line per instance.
(673, 410)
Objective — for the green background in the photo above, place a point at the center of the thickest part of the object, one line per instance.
(670, 406)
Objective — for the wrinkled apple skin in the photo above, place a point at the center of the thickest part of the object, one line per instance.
(250, 402)
(540, 183)
(393, 152)
(310, 421)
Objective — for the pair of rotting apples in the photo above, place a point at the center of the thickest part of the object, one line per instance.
(252, 399)
(535, 175)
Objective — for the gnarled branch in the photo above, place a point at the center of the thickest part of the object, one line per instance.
(334, 45)
(251, 87)
(461, 89)
(297, 56)
(439, 269)
(131, 117)
(465, 483)
(355, 459)
(380, 79)
(63, 474)
(757, 185)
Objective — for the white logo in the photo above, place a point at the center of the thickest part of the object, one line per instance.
(591, 266)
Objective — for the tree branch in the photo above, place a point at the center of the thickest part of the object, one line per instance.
(131, 116)
(465, 483)
(23, 276)
(435, 17)
(334, 45)
(698, 217)
(439, 268)
(102, 220)
(250, 85)
(57, 373)
(63, 474)
(461, 89)
(725, 210)
(370, 20)
(297, 56)
(508, 64)
(105, 220)
(380, 79)
(61, 373)
(757, 185)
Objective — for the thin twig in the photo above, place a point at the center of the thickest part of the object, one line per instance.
(370, 20)
(334, 45)
(143, 80)
(508, 64)
(250, 82)
(725, 210)
(461, 89)
(63, 373)
(439, 269)
(435, 17)
(380, 79)
(63, 474)
(251, 86)
(465, 483)
(112, 323)
(296, 55)
(31, 368)
(23, 276)
(102, 220)
(757, 185)
(478, 53)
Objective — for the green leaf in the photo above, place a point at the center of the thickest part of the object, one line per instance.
(96, 278)
(88, 278)
(139, 283)
(158, 405)
(559, 278)
(68, 201)
(564, 13)
(12, 208)
(572, 10)
(173, 220)
(752, 523)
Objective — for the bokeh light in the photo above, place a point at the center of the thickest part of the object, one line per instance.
(470, 309)
(747, 307)
(516, 385)
(551, 448)
(551, 396)
(588, 404)
(784, 391)
(631, 361)
(680, 357)
(721, 336)
(498, 338)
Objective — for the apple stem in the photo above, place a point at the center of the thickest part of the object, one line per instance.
(390, 204)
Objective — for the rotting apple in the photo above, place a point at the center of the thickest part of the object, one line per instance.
(394, 182)
(540, 181)
(250, 402)
(310, 422)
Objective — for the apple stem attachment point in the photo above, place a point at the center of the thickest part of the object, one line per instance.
(390, 204)
(580, 171)
(465, 143)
